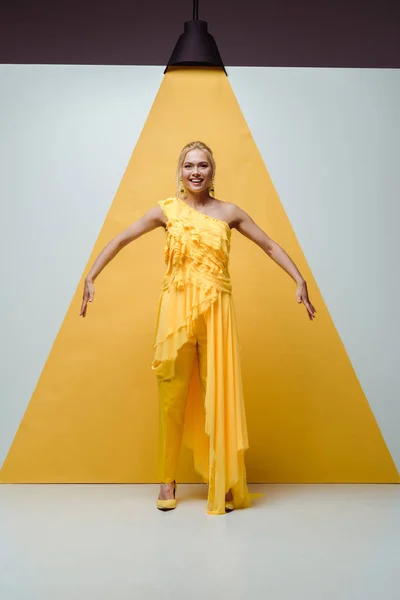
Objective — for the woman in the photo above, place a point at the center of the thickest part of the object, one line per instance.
(196, 323)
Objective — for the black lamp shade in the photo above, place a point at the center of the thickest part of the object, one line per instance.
(195, 47)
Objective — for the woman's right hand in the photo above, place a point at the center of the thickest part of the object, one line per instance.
(88, 295)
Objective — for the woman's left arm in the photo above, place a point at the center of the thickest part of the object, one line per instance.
(247, 227)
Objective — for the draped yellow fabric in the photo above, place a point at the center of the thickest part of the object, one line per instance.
(197, 283)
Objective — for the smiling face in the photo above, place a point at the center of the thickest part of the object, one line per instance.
(197, 171)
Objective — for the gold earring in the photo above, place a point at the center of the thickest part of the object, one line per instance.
(212, 190)
(182, 188)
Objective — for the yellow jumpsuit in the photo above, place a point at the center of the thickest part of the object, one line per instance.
(197, 357)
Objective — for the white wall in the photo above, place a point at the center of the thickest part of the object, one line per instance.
(329, 139)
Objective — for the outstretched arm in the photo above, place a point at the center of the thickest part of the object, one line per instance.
(247, 227)
(150, 220)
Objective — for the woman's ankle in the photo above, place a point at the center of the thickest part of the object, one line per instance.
(167, 490)
(229, 495)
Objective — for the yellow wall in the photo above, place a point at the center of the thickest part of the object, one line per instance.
(93, 416)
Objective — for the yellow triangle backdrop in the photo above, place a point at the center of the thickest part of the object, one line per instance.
(93, 416)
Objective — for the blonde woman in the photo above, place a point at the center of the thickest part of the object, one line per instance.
(196, 326)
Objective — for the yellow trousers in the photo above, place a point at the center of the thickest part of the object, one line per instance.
(172, 400)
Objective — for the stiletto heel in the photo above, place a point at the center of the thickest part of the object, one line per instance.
(168, 504)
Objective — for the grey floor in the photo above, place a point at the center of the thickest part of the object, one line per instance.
(322, 542)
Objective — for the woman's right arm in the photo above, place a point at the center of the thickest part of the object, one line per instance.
(150, 220)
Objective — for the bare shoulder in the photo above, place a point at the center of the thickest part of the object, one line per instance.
(233, 214)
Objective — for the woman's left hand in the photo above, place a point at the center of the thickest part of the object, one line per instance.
(302, 296)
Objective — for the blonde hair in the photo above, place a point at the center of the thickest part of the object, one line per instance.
(192, 146)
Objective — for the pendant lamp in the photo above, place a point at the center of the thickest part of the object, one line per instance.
(195, 46)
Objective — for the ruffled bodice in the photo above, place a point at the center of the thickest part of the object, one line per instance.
(195, 252)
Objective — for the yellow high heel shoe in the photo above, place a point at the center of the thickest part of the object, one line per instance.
(167, 504)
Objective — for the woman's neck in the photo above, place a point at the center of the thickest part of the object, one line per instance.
(200, 199)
